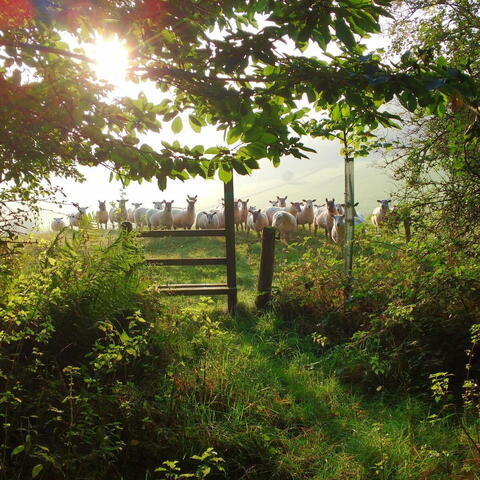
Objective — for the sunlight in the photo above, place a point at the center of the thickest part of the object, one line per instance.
(111, 57)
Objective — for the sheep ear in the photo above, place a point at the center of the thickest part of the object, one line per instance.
(379, 201)
(304, 201)
(326, 200)
(247, 200)
(214, 213)
(205, 213)
(388, 201)
(356, 204)
(314, 200)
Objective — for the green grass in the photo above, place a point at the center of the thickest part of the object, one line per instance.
(267, 399)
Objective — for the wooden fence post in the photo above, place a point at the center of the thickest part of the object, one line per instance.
(267, 261)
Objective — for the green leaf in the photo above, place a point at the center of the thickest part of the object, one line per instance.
(195, 123)
(344, 33)
(177, 125)
(18, 450)
(268, 138)
(212, 151)
(224, 175)
(36, 470)
(233, 134)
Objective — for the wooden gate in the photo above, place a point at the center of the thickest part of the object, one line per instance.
(229, 288)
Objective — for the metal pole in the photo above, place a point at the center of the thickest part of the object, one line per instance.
(230, 246)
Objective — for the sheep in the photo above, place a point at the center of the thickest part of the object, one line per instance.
(118, 214)
(236, 214)
(57, 224)
(207, 220)
(157, 207)
(76, 219)
(282, 201)
(220, 215)
(379, 213)
(285, 223)
(270, 212)
(256, 220)
(131, 212)
(294, 208)
(306, 216)
(101, 214)
(185, 218)
(139, 217)
(163, 219)
(244, 211)
(338, 229)
(324, 217)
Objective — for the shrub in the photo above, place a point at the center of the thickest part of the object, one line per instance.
(409, 315)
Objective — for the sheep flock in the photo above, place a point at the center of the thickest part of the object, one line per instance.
(286, 217)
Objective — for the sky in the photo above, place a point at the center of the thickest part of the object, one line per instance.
(318, 177)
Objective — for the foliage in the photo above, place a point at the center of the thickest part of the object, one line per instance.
(104, 378)
(437, 158)
(220, 63)
(408, 317)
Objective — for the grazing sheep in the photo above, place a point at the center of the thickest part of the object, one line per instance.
(76, 219)
(306, 214)
(324, 217)
(157, 207)
(338, 229)
(118, 214)
(285, 223)
(131, 211)
(207, 220)
(185, 218)
(270, 212)
(220, 215)
(294, 208)
(379, 213)
(101, 214)
(57, 224)
(139, 217)
(163, 219)
(256, 220)
(243, 212)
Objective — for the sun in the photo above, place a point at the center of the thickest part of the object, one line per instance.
(111, 60)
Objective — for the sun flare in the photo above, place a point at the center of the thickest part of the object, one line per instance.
(111, 60)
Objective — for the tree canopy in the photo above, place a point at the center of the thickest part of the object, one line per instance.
(222, 64)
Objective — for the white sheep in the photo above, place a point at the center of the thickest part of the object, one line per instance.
(285, 223)
(324, 217)
(294, 208)
(185, 218)
(131, 211)
(76, 219)
(101, 215)
(157, 207)
(57, 224)
(119, 214)
(163, 219)
(379, 213)
(244, 211)
(338, 229)
(282, 201)
(207, 220)
(139, 217)
(256, 220)
(220, 215)
(306, 214)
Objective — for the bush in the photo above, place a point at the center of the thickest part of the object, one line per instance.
(409, 315)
